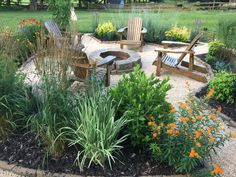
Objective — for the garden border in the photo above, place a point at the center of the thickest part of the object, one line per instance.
(222, 115)
(27, 172)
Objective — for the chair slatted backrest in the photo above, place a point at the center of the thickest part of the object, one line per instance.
(134, 29)
(53, 28)
(190, 47)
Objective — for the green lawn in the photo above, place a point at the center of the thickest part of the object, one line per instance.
(208, 19)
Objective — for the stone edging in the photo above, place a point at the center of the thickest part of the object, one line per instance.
(26, 172)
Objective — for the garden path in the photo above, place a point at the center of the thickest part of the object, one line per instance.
(226, 157)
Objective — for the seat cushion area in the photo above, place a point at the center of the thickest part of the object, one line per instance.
(169, 60)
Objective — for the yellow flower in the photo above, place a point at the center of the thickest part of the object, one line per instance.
(217, 170)
(193, 154)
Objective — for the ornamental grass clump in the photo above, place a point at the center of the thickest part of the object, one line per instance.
(52, 95)
(13, 96)
(94, 129)
(191, 139)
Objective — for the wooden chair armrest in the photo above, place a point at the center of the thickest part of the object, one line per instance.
(144, 30)
(122, 30)
(86, 66)
(173, 51)
(174, 43)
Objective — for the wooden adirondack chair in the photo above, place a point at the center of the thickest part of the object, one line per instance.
(171, 63)
(135, 33)
(54, 30)
(84, 69)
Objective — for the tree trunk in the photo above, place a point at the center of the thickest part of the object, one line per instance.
(33, 5)
(8, 2)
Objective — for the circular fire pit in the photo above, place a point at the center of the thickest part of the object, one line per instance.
(124, 62)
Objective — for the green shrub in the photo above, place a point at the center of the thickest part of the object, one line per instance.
(224, 85)
(227, 32)
(215, 48)
(95, 130)
(178, 34)
(188, 141)
(141, 96)
(106, 31)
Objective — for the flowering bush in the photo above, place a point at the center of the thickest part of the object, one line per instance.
(142, 98)
(189, 140)
(26, 35)
(178, 34)
(106, 31)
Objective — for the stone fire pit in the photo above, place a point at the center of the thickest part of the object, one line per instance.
(124, 62)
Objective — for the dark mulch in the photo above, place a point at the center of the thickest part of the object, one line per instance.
(25, 150)
(227, 109)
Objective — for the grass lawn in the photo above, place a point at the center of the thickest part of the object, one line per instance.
(208, 19)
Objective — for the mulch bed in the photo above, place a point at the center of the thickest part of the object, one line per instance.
(27, 151)
(227, 109)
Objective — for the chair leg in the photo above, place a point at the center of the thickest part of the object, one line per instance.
(108, 75)
(159, 62)
(121, 46)
(191, 62)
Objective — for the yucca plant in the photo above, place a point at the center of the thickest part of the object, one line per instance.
(95, 130)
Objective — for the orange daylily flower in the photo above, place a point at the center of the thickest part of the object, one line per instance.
(182, 104)
(212, 139)
(184, 119)
(154, 135)
(193, 154)
(232, 135)
(197, 134)
(151, 123)
(198, 144)
(199, 117)
(171, 125)
(219, 109)
(210, 93)
(212, 116)
(151, 117)
(172, 108)
(217, 170)
(208, 130)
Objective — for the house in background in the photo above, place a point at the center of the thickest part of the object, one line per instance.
(116, 3)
